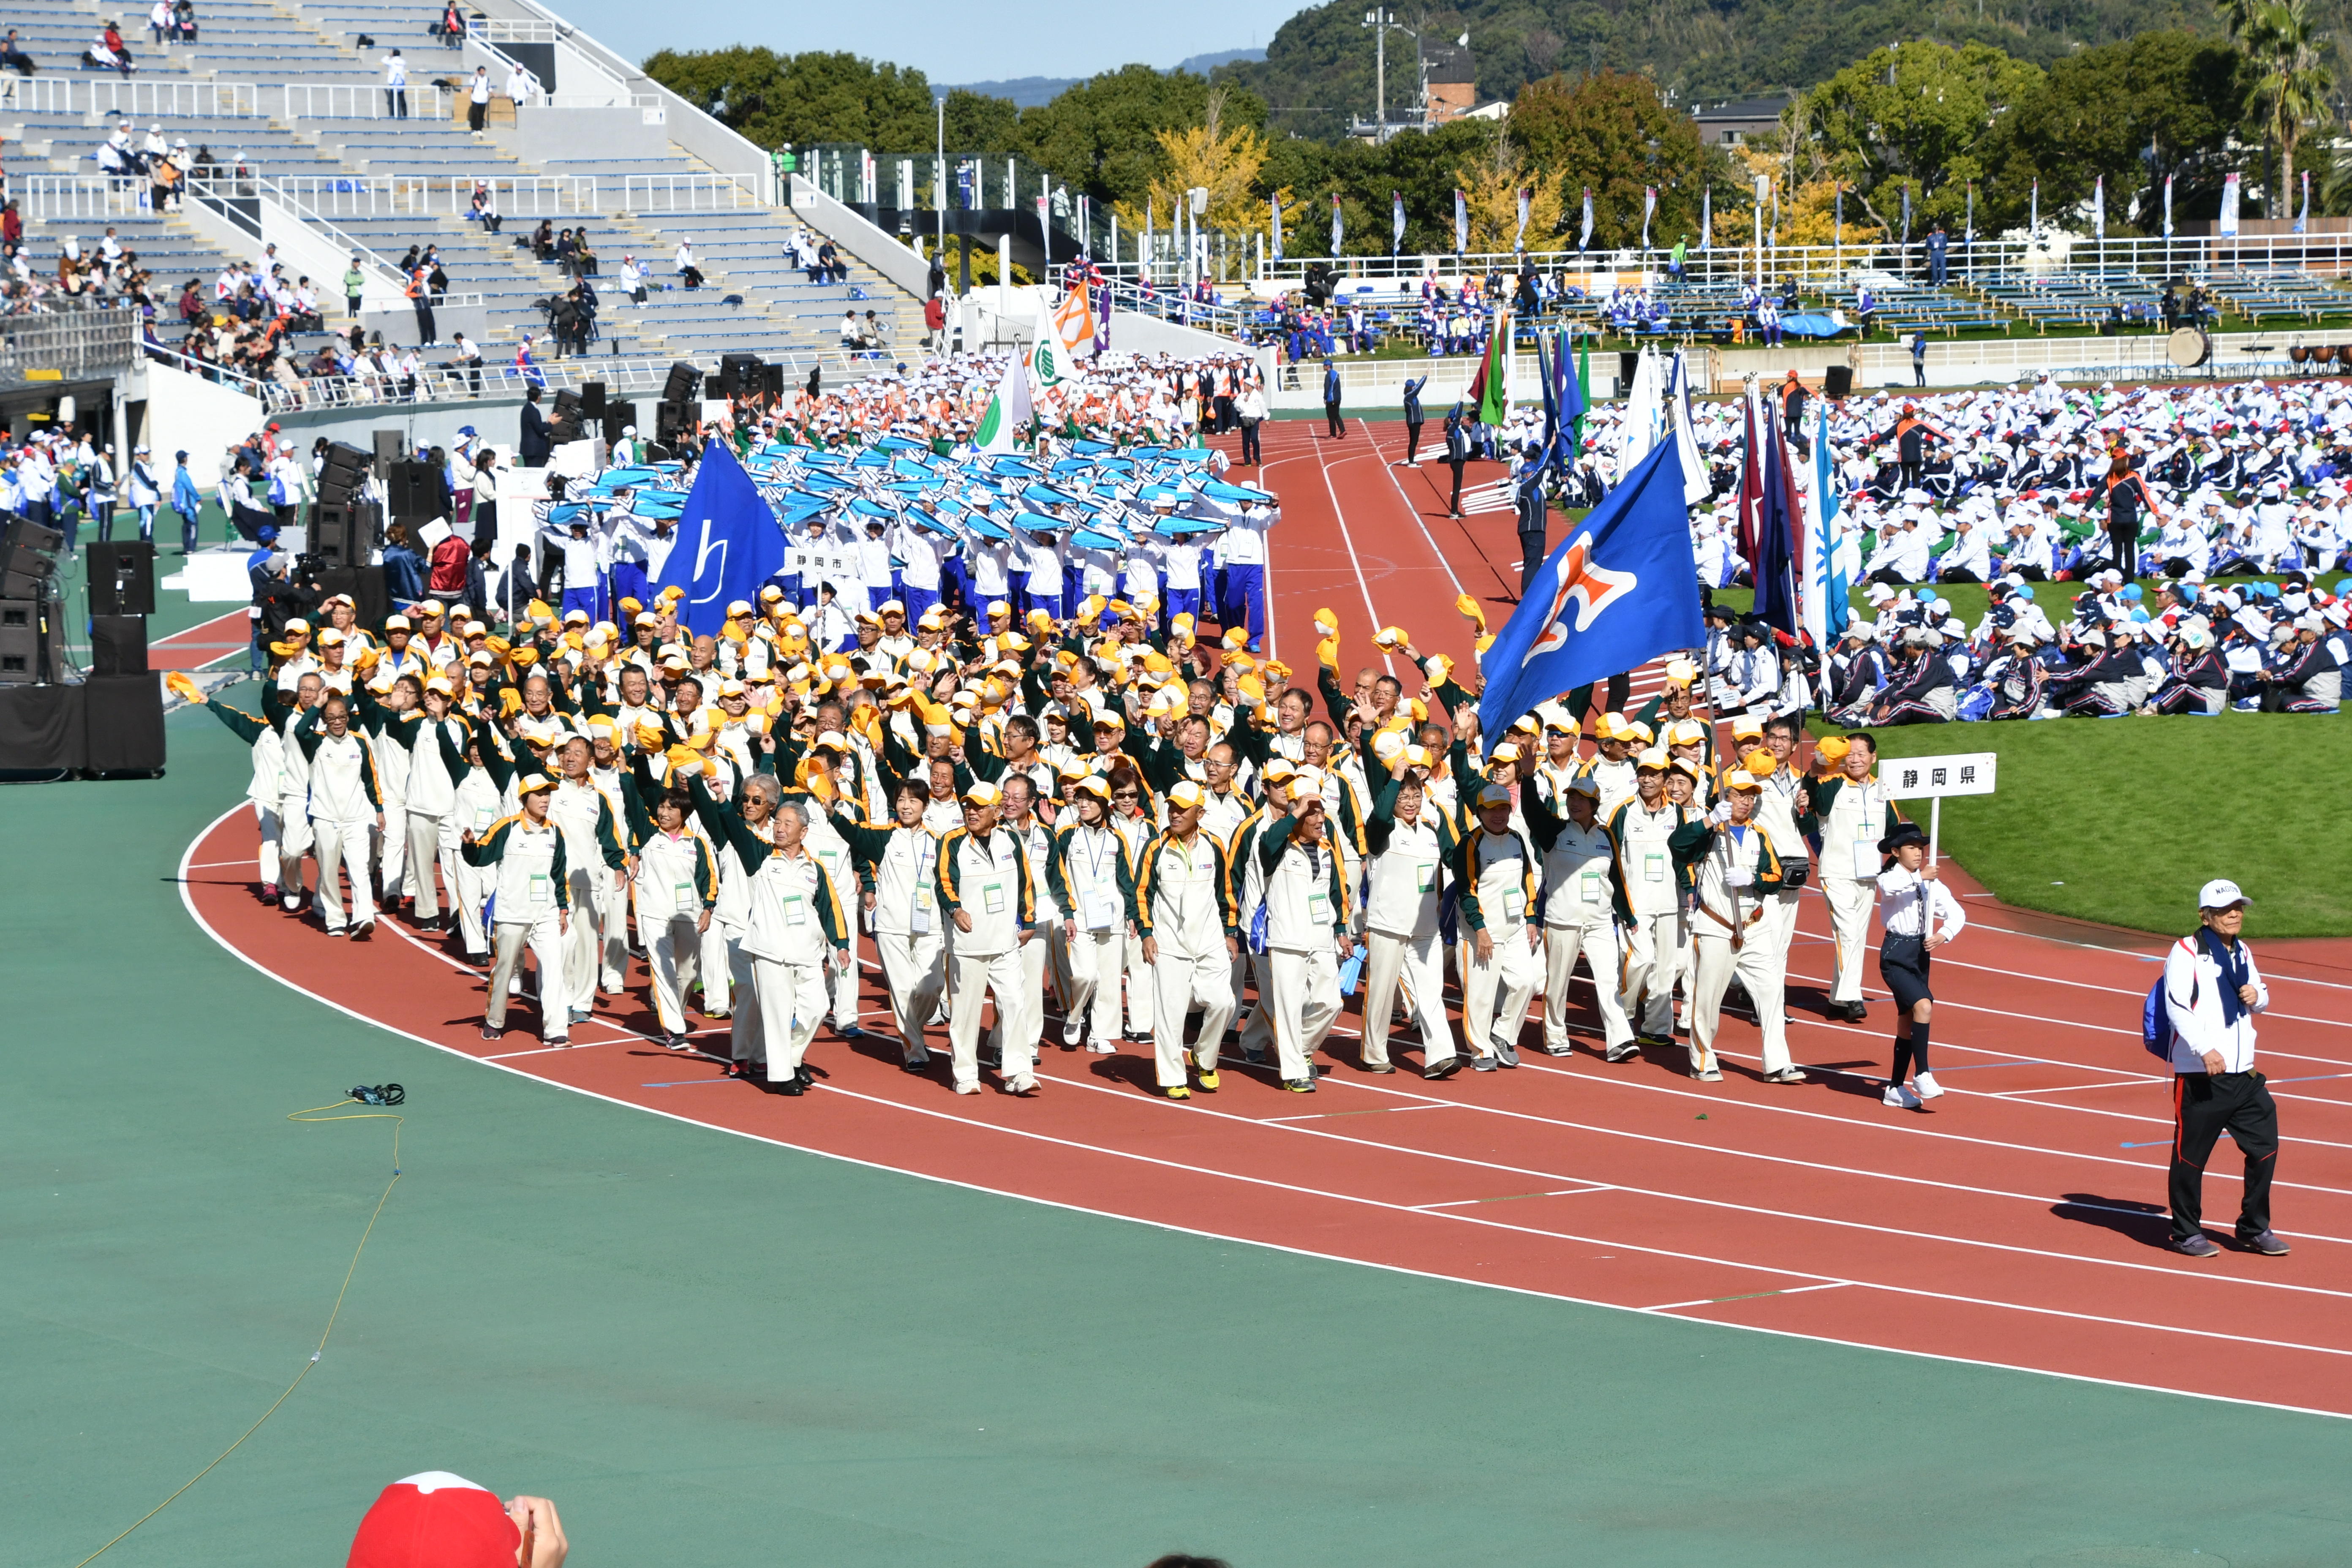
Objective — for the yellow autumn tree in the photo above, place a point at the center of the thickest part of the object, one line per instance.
(1224, 160)
(1490, 187)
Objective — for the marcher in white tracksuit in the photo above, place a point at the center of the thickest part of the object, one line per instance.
(429, 833)
(1650, 902)
(1579, 913)
(531, 899)
(1413, 850)
(1735, 872)
(474, 805)
(1306, 928)
(265, 790)
(1852, 811)
(755, 807)
(899, 865)
(1181, 900)
(591, 821)
(1019, 818)
(797, 931)
(676, 888)
(984, 885)
(1499, 871)
(345, 804)
(1091, 877)
(295, 838)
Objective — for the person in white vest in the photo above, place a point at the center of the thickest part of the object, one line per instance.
(1498, 869)
(795, 931)
(530, 898)
(345, 802)
(1092, 876)
(1850, 811)
(1412, 849)
(1649, 893)
(899, 862)
(1180, 898)
(1735, 873)
(1579, 915)
(984, 885)
(1306, 922)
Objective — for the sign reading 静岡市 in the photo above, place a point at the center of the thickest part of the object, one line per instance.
(1962, 772)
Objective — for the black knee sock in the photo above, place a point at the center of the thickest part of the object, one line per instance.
(1901, 1062)
(1918, 1044)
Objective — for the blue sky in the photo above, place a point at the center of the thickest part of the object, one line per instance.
(948, 42)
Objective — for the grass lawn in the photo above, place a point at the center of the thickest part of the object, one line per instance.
(2121, 820)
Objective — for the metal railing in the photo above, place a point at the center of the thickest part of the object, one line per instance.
(1964, 261)
(51, 198)
(178, 360)
(402, 195)
(67, 345)
(1174, 305)
(144, 99)
(688, 193)
(513, 30)
(359, 101)
(446, 382)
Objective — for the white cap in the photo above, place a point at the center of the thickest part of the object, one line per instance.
(2220, 894)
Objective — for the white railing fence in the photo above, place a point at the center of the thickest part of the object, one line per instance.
(402, 195)
(52, 198)
(688, 193)
(139, 99)
(359, 101)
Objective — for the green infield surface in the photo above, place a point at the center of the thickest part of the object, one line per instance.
(714, 1351)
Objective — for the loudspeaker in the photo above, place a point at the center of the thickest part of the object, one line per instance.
(391, 447)
(684, 378)
(618, 416)
(740, 372)
(771, 380)
(414, 492)
(567, 401)
(28, 558)
(32, 642)
(1628, 362)
(124, 718)
(122, 578)
(342, 535)
(345, 470)
(1838, 381)
(670, 420)
(117, 645)
(370, 591)
(592, 400)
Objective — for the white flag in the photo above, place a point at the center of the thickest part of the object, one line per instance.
(2230, 205)
(1051, 364)
(1585, 238)
(1009, 412)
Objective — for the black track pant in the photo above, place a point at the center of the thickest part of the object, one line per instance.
(2205, 1105)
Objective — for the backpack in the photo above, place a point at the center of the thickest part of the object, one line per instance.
(2155, 1029)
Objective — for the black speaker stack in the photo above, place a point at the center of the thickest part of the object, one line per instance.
(679, 407)
(122, 578)
(618, 416)
(1837, 381)
(564, 424)
(32, 620)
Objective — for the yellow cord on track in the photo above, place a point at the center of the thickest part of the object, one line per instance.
(312, 1114)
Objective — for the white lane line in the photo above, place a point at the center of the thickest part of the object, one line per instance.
(187, 902)
(1751, 1296)
(1353, 560)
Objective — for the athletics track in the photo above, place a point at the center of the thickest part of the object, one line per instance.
(2019, 1223)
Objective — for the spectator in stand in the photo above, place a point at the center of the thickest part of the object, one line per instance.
(395, 86)
(633, 278)
(159, 22)
(13, 57)
(478, 102)
(452, 27)
(484, 209)
(106, 53)
(521, 87)
(689, 275)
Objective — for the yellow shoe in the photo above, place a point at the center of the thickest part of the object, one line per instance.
(1178, 1092)
(1209, 1082)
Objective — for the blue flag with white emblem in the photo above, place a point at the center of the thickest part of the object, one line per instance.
(729, 543)
(1622, 591)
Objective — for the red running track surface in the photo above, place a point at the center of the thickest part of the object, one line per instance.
(2019, 1223)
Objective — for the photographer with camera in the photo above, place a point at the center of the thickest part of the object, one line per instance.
(285, 588)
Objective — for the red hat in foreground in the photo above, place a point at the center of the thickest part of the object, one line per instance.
(435, 1520)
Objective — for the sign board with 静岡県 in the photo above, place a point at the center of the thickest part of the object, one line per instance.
(1963, 773)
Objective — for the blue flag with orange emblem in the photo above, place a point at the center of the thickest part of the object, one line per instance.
(1622, 591)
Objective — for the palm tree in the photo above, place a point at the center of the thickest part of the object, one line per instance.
(2293, 89)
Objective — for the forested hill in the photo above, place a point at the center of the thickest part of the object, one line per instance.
(1318, 68)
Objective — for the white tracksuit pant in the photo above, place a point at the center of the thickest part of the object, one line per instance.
(1139, 988)
(1180, 984)
(1032, 990)
(1762, 973)
(1653, 961)
(613, 944)
(423, 849)
(344, 843)
(1596, 939)
(1305, 1003)
(743, 1033)
(1851, 904)
(295, 839)
(265, 817)
(546, 943)
(467, 895)
(391, 846)
(792, 1006)
(1421, 967)
(977, 974)
(1495, 994)
(842, 989)
(591, 888)
(1098, 964)
(668, 943)
(714, 972)
(915, 973)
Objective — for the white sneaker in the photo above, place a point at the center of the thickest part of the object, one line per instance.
(1924, 1083)
(1900, 1097)
(967, 1088)
(1023, 1083)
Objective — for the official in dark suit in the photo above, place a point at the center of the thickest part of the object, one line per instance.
(1535, 516)
(538, 439)
(1331, 399)
(1457, 452)
(1413, 420)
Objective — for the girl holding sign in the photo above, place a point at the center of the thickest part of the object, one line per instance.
(1921, 915)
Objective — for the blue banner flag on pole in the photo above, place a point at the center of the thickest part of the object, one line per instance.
(1622, 591)
(729, 543)
(1777, 528)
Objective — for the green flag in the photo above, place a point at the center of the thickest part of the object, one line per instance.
(1486, 389)
(1008, 412)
